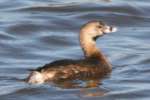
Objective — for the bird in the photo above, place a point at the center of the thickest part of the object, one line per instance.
(94, 64)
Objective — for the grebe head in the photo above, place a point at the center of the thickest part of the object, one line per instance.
(94, 29)
(90, 32)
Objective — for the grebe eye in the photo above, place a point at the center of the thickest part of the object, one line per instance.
(99, 26)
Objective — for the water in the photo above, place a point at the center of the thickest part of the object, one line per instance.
(33, 33)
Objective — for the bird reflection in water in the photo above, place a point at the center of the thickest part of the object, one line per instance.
(87, 87)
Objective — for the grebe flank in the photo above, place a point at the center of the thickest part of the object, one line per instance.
(94, 65)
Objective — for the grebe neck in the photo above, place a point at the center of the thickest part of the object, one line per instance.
(90, 50)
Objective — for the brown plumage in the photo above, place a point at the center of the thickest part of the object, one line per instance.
(94, 65)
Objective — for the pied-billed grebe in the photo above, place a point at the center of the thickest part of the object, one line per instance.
(94, 65)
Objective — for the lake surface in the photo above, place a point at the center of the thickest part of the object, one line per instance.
(36, 32)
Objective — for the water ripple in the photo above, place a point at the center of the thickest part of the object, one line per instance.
(33, 33)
